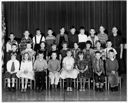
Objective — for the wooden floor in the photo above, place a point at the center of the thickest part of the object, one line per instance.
(62, 95)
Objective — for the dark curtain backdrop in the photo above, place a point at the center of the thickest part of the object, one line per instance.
(20, 16)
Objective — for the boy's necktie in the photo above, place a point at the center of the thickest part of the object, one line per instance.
(12, 67)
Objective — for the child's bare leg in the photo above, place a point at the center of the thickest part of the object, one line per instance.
(26, 82)
(81, 84)
(84, 83)
(22, 82)
(13, 82)
(97, 85)
(8, 82)
(101, 85)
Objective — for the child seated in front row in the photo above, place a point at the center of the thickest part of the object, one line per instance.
(26, 71)
(68, 71)
(54, 68)
(12, 68)
(98, 70)
(40, 66)
(81, 65)
(112, 68)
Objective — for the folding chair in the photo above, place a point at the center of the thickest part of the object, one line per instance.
(119, 83)
(6, 81)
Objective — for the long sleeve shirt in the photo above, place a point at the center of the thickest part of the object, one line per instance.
(82, 38)
(53, 65)
(111, 65)
(40, 65)
(98, 65)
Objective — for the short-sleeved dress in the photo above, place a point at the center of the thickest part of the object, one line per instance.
(81, 64)
(88, 56)
(26, 70)
(69, 71)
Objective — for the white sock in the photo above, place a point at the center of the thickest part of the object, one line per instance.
(13, 85)
(9, 85)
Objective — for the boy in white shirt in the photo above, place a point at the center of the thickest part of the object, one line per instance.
(37, 39)
(82, 38)
(12, 68)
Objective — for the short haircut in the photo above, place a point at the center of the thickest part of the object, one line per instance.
(82, 27)
(97, 42)
(80, 53)
(53, 53)
(40, 52)
(108, 41)
(50, 29)
(13, 54)
(14, 45)
(37, 29)
(62, 27)
(88, 42)
(42, 42)
(29, 43)
(11, 34)
(54, 44)
(72, 27)
(64, 43)
(111, 50)
(69, 50)
(97, 52)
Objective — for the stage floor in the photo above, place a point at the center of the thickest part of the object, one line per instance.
(62, 95)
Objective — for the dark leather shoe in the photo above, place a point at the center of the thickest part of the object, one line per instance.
(96, 89)
(13, 89)
(101, 89)
(9, 89)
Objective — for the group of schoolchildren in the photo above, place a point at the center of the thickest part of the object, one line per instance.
(62, 57)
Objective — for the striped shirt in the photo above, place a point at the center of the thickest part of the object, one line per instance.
(103, 37)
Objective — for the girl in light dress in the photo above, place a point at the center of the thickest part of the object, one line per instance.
(68, 71)
(26, 71)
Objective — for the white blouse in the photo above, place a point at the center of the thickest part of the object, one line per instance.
(38, 39)
(68, 63)
(82, 38)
